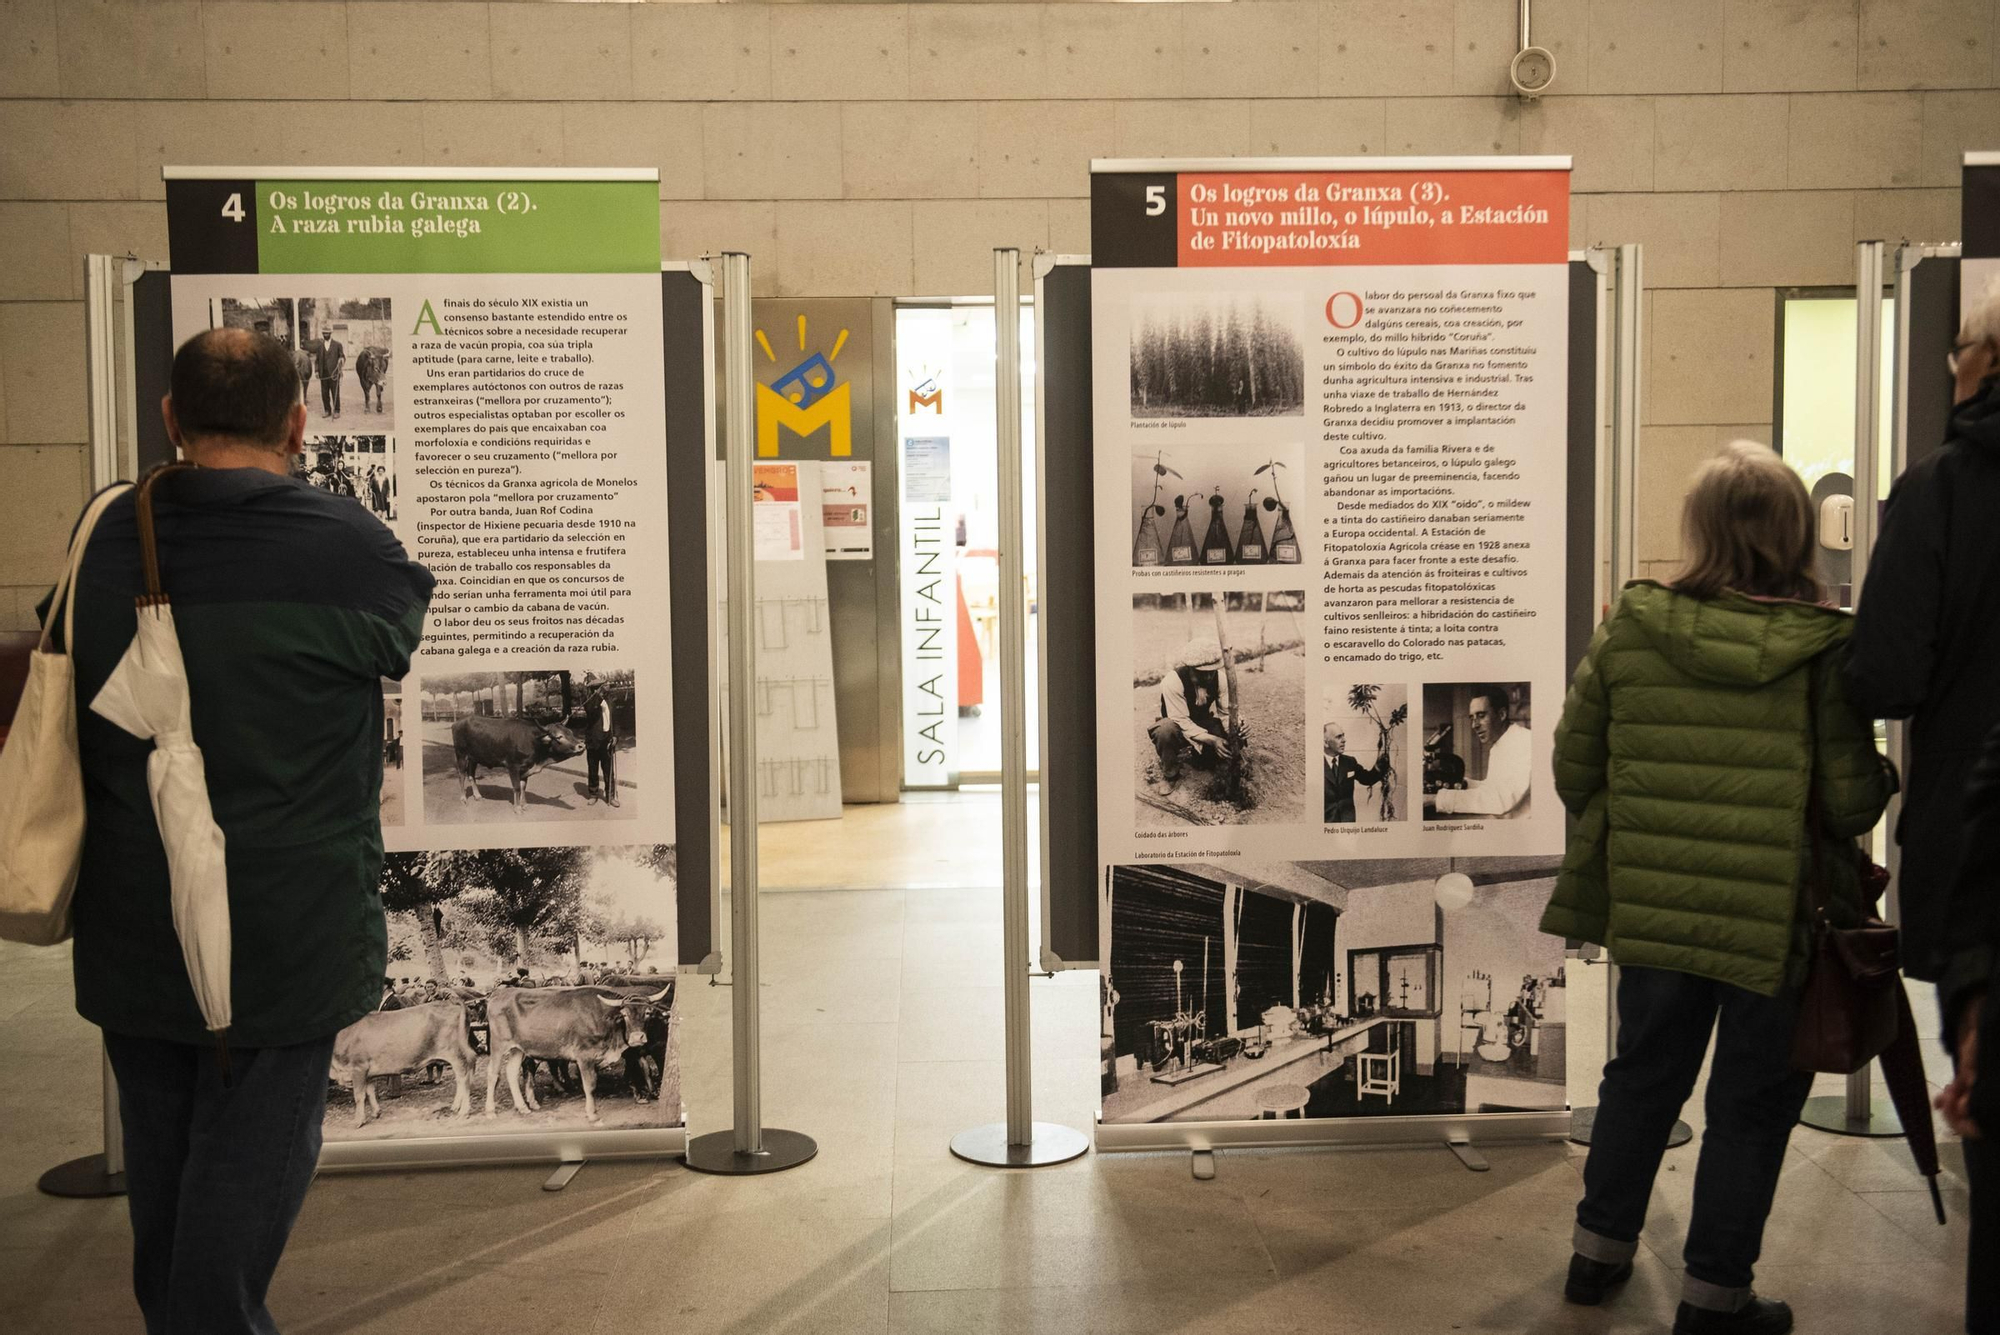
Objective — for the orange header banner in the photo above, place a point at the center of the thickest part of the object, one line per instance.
(1309, 219)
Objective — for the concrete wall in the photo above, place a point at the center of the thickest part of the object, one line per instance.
(860, 149)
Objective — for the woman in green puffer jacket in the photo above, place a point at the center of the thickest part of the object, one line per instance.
(1705, 715)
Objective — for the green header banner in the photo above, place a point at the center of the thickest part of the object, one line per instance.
(452, 226)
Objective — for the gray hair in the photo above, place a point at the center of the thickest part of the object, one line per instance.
(1982, 318)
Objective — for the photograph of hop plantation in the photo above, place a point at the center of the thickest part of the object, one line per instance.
(1217, 354)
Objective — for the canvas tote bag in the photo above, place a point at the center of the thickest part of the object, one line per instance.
(41, 775)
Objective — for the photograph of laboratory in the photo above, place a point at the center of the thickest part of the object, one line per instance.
(1358, 988)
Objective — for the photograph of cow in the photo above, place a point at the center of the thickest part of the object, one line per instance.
(540, 745)
(527, 988)
(349, 341)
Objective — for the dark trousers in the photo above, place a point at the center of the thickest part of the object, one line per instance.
(602, 760)
(215, 1174)
(1754, 1099)
(1982, 1272)
(329, 394)
(1175, 751)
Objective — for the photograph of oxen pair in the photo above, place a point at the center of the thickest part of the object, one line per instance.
(527, 988)
(1357, 988)
(540, 745)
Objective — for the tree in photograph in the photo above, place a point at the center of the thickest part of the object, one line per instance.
(1361, 699)
(523, 892)
(408, 887)
(663, 860)
(636, 933)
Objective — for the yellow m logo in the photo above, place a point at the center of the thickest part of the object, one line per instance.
(831, 410)
(934, 400)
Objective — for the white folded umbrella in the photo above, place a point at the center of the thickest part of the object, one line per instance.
(147, 696)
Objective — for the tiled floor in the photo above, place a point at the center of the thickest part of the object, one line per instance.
(882, 1038)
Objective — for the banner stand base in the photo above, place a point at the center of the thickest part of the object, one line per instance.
(1828, 1112)
(1474, 1161)
(1047, 1144)
(84, 1179)
(716, 1153)
(1583, 1120)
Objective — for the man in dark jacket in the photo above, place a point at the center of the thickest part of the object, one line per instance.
(600, 740)
(1341, 772)
(1926, 642)
(332, 365)
(1971, 1105)
(292, 606)
(1927, 635)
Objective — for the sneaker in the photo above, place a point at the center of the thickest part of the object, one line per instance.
(1759, 1316)
(1590, 1282)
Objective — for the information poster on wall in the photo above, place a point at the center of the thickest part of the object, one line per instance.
(846, 503)
(480, 360)
(777, 534)
(1330, 410)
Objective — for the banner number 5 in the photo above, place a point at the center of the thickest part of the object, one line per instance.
(1156, 200)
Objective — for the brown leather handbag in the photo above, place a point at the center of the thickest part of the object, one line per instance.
(1850, 1012)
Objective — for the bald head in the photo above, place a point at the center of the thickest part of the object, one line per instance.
(235, 389)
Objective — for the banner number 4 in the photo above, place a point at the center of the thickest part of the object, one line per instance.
(232, 208)
(1156, 200)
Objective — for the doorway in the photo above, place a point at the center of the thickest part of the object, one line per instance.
(945, 396)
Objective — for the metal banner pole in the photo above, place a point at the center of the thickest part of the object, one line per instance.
(94, 1175)
(1020, 1141)
(1627, 357)
(1853, 1113)
(748, 1147)
(103, 1174)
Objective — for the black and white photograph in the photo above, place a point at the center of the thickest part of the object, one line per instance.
(1218, 706)
(392, 752)
(1363, 733)
(276, 316)
(1478, 751)
(347, 346)
(1217, 354)
(1358, 988)
(1216, 504)
(544, 745)
(363, 467)
(527, 988)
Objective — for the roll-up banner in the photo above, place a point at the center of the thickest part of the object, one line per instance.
(1330, 411)
(480, 359)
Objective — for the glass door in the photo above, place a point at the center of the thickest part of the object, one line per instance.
(945, 409)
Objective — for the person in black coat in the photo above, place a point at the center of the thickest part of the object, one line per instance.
(1972, 1024)
(1927, 634)
(1925, 648)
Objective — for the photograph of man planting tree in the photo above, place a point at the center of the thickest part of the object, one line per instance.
(1218, 694)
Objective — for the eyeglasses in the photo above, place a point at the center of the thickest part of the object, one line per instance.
(1958, 351)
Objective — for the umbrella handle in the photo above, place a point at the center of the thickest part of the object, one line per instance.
(149, 551)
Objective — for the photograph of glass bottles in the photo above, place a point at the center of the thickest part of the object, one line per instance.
(1214, 505)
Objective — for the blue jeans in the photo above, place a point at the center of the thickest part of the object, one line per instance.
(1754, 1100)
(215, 1173)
